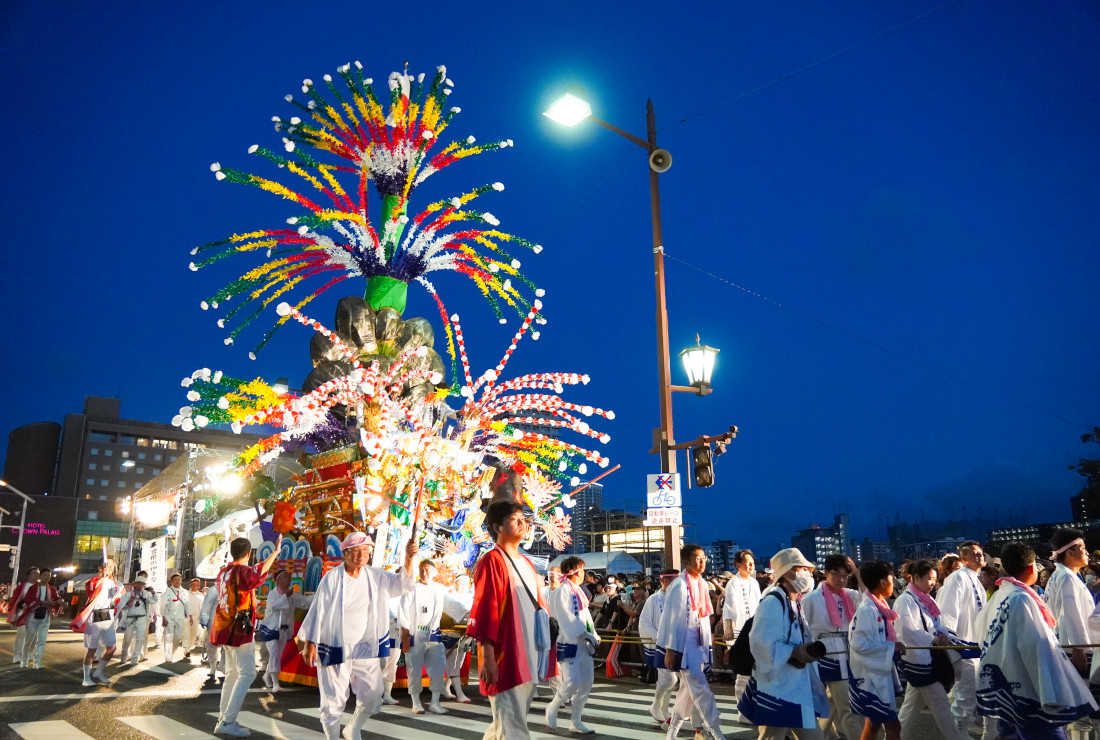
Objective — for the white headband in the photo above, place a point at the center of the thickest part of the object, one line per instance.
(1071, 545)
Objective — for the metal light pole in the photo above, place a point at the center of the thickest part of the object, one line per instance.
(22, 525)
(659, 161)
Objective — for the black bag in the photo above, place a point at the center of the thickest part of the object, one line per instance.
(242, 618)
(741, 659)
(942, 670)
(40, 612)
(555, 628)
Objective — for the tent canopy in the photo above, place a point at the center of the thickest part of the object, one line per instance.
(609, 562)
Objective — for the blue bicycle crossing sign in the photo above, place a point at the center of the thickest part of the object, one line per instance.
(663, 490)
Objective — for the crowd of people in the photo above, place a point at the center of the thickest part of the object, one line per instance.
(1000, 650)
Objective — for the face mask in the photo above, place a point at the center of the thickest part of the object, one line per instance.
(803, 582)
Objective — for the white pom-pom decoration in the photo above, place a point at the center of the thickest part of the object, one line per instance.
(490, 219)
(535, 336)
(221, 323)
(456, 202)
(536, 304)
(219, 175)
(193, 268)
(201, 421)
(186, 382)
(421, 352)
(540, 292)
(574, 481)
(217, 377)
(610, 415)
(604, 438)
(204, 305)
(303, 230)
(493, 267)
(223, 403)
(228, 341)
(253, 149)
(185, 411)
(436, 378)
(498, 186)
(490, 375)
(193, 396)
(236, 427)
(177, 420)
(582, 469)
(515, 264)
(537, 249)
(215, 167)
(187, 425)
(283, 309)
(252, 355)
(585, 379)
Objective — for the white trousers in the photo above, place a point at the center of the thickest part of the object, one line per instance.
(173, 636)
(273, 654)
(935, 698)
(840, 718)
(215, 656)
(240, 669)
(425, 655)
(965, 702)
(20, 639)
(455, 659)
(35, 643)
(361, 675)
(779, 733)
(510, 713)
(695, 693)
(135, 638)
(192, 634)
(577, 675)
(389, 666)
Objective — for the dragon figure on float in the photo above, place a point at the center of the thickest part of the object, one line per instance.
(387, 443)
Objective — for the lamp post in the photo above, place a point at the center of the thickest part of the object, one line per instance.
(22, 525)
(570, 109)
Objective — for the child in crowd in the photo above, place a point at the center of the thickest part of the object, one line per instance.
(874, 644)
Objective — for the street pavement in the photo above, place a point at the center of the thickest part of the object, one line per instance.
(176, 700)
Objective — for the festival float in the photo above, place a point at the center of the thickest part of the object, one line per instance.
(395, 437)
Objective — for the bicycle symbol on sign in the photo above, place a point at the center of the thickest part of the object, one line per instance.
(664, 498)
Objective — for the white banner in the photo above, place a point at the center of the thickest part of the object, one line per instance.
(153, 562)
(664, 517)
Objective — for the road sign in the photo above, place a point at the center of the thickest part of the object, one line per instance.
(663, 489)
(672, 516)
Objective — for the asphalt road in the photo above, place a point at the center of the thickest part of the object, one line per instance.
(176, 700)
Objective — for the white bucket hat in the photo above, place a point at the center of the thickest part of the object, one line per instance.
(784, 560)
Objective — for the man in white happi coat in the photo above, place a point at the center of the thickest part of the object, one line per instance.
(961, 598)
(421, 640)
(1069, 598)
(577, 641)
(1027, 683)
(457, 604)
(175, 613)
(828, 610)
(347, 630)
(685, 637)
(98, 621)
(742, 597)
(193, 637)
(648, 625)
(274, 630)
(553, 583)
(135, 612)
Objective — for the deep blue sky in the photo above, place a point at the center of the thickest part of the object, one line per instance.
(919, 211)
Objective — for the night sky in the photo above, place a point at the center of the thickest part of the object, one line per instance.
(896, 204)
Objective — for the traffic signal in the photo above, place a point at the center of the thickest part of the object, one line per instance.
(703, 466)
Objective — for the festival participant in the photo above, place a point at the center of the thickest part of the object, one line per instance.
(15, 610)
(40, 603)
(193, 638)
(502, 620)
(97, 621)
(554, 675)
(175, 613)
(873, 642)
(391, 658)
(685, 637)
(457, 606)
(648, 626)
(1027, 685)
(347, 630)
(742, 594)
(961, 598)
(577, 641)
(274, 630)
(215, 656)
(232, 628)
(785, 694)
(919, 626)
(829, 609)
(421, 640)
(135, 622)
(1069, 598)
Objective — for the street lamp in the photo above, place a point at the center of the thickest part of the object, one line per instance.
(22, 525)
(572, 108)
(699, 364)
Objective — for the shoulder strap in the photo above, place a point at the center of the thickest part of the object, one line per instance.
(534, 601)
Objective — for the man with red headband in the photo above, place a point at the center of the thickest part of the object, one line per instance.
(347, 630)
(685, 637)
(577, 641)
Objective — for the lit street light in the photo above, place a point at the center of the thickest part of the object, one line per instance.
(22, 525)
(570, 109)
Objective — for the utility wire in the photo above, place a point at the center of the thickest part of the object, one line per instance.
(830, 57)
(880, 347)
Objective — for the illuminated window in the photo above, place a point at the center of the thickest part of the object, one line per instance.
(122, 484)
(103, 482)
(142, 442)
(91, 466)
(125, 440)
(90, 482)
(93, 451)
(108, 453)
(141, 456)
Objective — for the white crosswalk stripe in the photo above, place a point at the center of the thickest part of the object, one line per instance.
(613, 711)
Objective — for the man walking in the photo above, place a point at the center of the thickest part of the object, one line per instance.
(577, 641)
(961, 599)
(135, 622)
(175, 613)
(346, 629)
(15, 611)
(742, 597)
(232, 628)
(39, 603)
(506, 600)
(97, 621)
(648, 625)
(192, 630)
(421, 640)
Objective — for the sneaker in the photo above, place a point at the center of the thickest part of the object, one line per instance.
(231, 729)
(89, 682)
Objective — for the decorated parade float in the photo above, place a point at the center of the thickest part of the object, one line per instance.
(396, 436)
